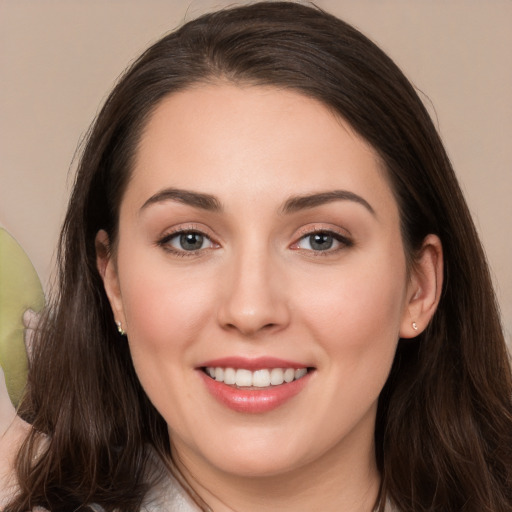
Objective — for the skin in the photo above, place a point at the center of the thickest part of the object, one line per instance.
(257, 287)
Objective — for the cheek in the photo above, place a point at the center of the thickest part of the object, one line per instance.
(165, 311)
(360, 309)
(165, 307)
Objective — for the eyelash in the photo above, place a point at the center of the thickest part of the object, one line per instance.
(164, 242)
(343, 241)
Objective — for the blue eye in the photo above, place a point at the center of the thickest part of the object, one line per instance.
(186, 241)
(321, 241)
(190, 241)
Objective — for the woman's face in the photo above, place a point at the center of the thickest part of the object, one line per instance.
(259, 242)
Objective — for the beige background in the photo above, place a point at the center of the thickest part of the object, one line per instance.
(59, 58)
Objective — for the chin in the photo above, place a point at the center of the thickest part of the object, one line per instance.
(255, 467)
(258, 457)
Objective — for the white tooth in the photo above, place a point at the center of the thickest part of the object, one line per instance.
(261, 378)
(219, 374)
(210, 371)
(300, 373)
(276, 376)
(243, 378)
(229, 376)
(289, 374)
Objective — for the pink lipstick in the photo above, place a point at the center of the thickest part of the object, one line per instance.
(254, 385)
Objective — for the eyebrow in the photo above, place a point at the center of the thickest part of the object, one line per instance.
(296, 203)
(195, 199)
(291, 205)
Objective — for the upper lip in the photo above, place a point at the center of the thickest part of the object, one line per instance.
(252, 364)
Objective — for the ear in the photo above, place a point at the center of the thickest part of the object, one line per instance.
(106, 265)
(424, 290)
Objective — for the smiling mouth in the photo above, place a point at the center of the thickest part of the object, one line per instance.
(262, 378)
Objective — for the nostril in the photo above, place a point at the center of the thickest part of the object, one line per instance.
(249, 329)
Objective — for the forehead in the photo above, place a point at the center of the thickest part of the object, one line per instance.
(243, 141)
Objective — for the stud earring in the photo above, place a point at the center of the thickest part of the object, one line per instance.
(120, 329)
(415, 326)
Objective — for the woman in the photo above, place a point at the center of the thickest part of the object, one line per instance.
(270, 289)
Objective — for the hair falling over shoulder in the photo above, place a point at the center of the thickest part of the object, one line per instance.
(444, 422)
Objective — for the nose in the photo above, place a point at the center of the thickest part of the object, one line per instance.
(255, 295)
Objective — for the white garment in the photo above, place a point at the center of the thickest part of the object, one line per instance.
(168, 496)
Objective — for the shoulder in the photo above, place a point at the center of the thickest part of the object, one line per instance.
(10, 441)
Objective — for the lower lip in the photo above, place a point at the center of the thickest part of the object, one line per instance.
(254, 400)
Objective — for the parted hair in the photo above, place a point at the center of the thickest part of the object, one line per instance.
(443, 435)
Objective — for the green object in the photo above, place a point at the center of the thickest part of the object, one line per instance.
(20, 289)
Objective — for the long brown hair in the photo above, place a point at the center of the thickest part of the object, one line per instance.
(444, 423)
